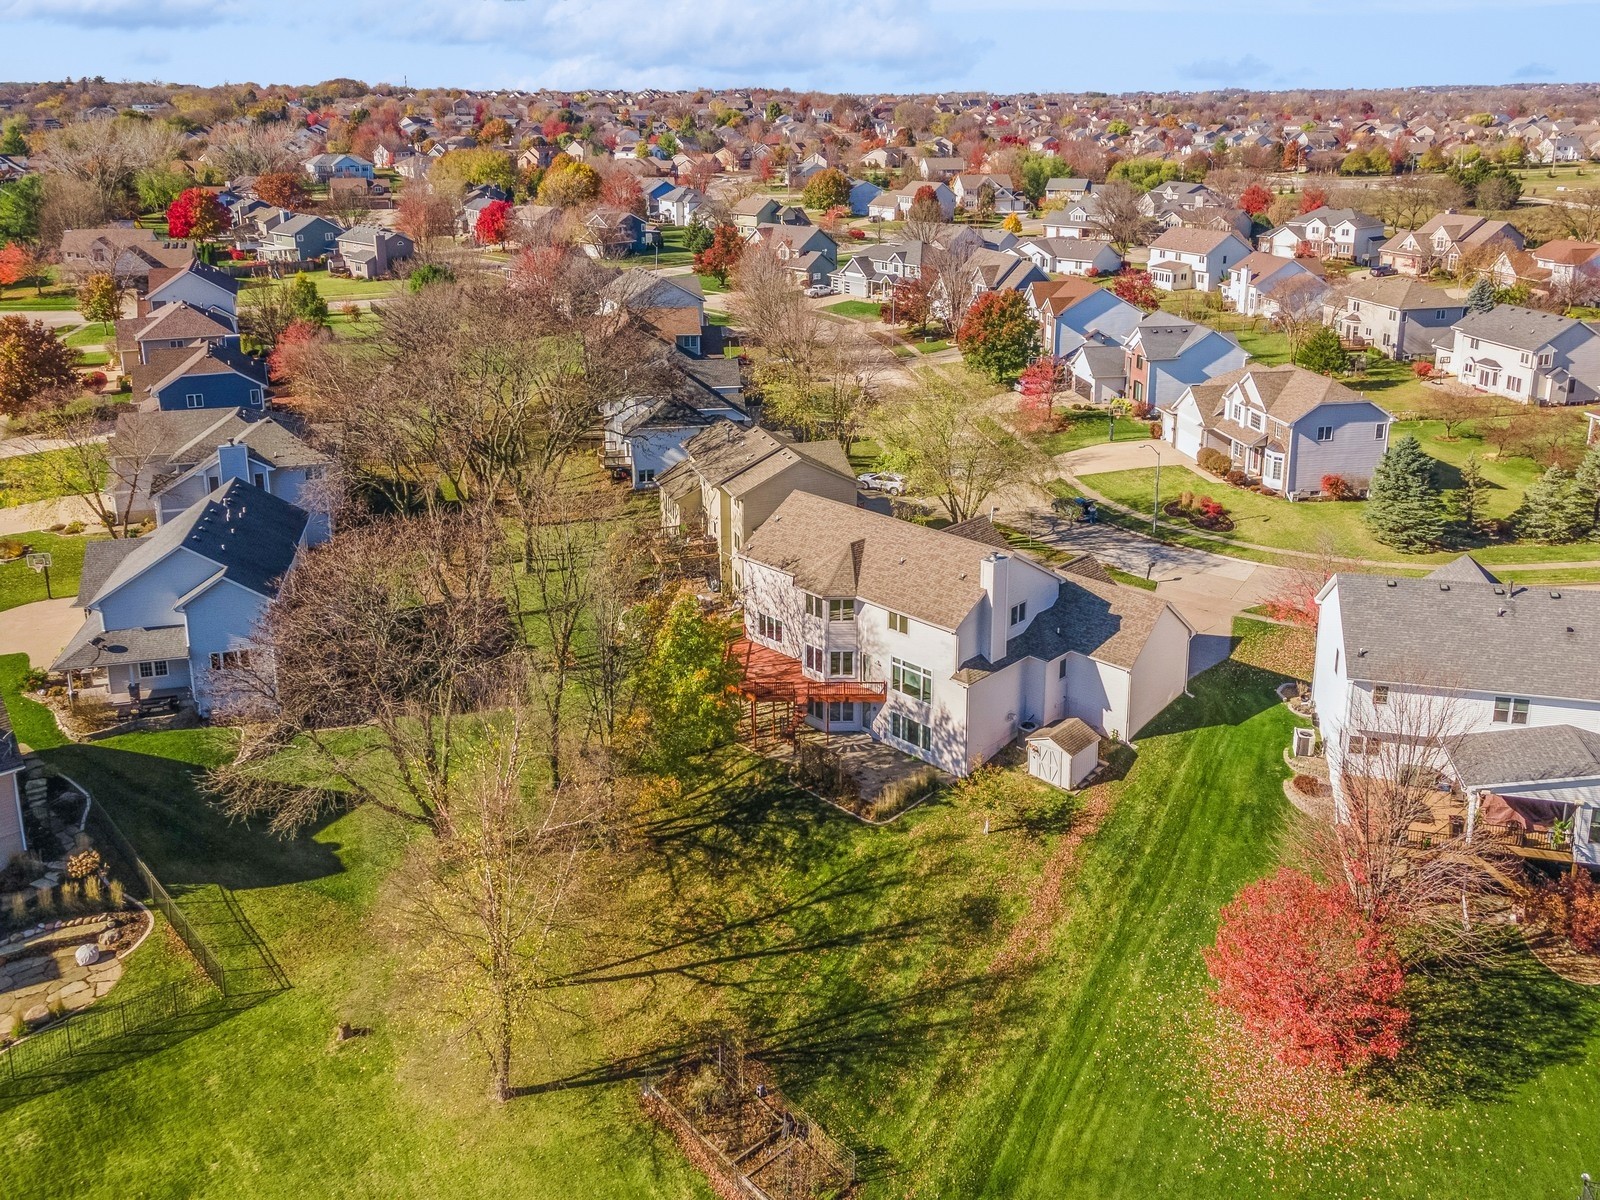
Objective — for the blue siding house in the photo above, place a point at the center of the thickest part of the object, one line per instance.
(208, 376)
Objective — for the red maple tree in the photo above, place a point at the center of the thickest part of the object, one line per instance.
(1040, 383)
(620, 189)
(280, 188)
(1136, 288)
(1255, 199)
(16, 264)
(1312, 199)
(288, 354)
(910, 303)
(1309, 974)
(722, 255)
(493, 226)
(196, 213)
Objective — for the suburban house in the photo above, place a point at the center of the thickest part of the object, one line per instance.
(171, 327)
(1263, 285)
(208, 376)
(1561, 264)
(1075, 219)
(671, 306)
(874, 271)
(1094, 315)
(939, 168)
(806, 252)
(1000, 271)
(1501, 679)
(195, 284)
(326, 167)
(301, 238)
(753, 211)
(732, 478)
(1443, 240)
(945, 644)
(1166, 354)
(645, 434)
(1186, 258)
(892, 206)
(677, 206)
(1341, 233)
(610, 232)
(862, 194)
(1401, 317)
(371, 252)
(1283, 426)
(1066, 191)
(1070, 256)
(13, 835)
(168, 614)
(970, 189)
(123, 251)
(162, 463)
(1525, 354)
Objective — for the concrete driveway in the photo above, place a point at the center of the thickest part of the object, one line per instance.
(1210, 590)
(1121, 456)
(41, 514)
(40, 630)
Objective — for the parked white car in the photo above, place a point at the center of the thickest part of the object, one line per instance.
(883, 481)
(817, 290)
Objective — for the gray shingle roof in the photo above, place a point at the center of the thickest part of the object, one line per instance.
(1528, 754)
(89, 649)
(1072, 735)
(1519, 328)
(1485, 637)
(250, 534)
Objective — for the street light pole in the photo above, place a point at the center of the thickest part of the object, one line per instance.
(1155, 509)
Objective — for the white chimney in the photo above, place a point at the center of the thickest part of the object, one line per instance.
(993, 577)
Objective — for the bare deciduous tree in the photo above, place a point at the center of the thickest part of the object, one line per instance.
(497, 914)
(381, 645)
(1119, 216)
(112, 477)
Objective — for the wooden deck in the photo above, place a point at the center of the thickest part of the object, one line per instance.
(1447, 819)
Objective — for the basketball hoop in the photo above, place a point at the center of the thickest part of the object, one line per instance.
(39, 562)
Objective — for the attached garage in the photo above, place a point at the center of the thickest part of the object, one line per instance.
(1183, 427)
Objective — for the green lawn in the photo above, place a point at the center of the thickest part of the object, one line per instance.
(93, 334)
(1087, 427)
(28, 477)
(20, 584)
(49, 302)
(862, 310)
(337, 288)
(1268, 521)
(711, 285)
(973, 1027)
(673, 251)
(931, 345)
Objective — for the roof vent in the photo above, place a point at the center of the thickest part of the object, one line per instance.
(1391, 583)
(1502, 612)
(1499, 591)
(1554, 595)
(1570, 629)
(1444, 587)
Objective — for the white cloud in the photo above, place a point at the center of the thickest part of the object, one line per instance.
(686, 43)
(121, 14)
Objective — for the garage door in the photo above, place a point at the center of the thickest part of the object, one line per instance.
(1188, 432)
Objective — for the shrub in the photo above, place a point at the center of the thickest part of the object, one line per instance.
(11, 548)
(1237, 477)
(1214, 462)
(1422, 368)
(93, 381)
(1570, 906)
(1336, 487)
(72, 527)
(1185, 500)
(33, 679)
(1155, 429)
(1212, 509)
(1308, 785)
(857, 235)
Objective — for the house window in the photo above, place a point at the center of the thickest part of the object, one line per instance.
(1138, 391)
(1380, 694)
(1378, 430)
(1472, 343)
(814, 658)
(813, 605)
(841, 610)
(194, 400)
(1274, 469)
(912, 732)
(1363, 745)
(1019, 613)
(1513, 383)
(255, 397)
(1061, 669)
(832, 711)
(230, 660)
(899, 623)
(769, 628)
(842, 663)
(910, 679)
(153, 670)
(1510, 710)
(1324, 433)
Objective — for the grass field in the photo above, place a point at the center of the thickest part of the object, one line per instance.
(1087, 427)
(21, 584)
(973, 1023)
(93, 334)
(49, 302)
(861, 310)
(673, 251)
(337, 288)
(28, 477)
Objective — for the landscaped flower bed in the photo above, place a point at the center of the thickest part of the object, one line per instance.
(1203, 512)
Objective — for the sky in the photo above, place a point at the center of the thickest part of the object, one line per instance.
(866, 46)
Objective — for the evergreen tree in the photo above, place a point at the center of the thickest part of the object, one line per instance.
(305, 302)
(1404, 506)
(1552, 509)
(1472, 495)
(1587, 481)
(1481, 296)
(1323, 353)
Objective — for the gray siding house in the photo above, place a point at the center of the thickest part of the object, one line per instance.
(371, 253)
(1526, 355)
(300, 239)
(1401, 317)
(1284, 426)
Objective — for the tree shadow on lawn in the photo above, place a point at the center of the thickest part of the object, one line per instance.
(1229, 693)
(1479, 1033)
(186, 840)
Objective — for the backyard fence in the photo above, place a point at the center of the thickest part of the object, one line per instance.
(235, 961)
